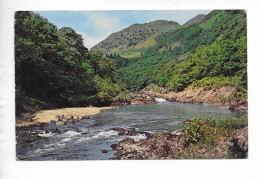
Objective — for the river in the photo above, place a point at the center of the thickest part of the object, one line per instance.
(84, 140)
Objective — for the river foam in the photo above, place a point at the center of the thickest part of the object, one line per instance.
(100, 135)
(138, 137)
(160, 100)
(44, 134)
(70, 133)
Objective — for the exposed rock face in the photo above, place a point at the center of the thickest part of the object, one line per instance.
(223, 96)
(138, 98)
(196, 19)
(239, 148)
(156, 146)
(136, 34)
(172, 145)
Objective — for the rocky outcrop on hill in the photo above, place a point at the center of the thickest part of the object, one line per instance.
(134, 34)
(196, 19)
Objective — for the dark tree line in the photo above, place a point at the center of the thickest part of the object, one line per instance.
(54, 69)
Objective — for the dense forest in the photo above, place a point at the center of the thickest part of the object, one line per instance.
(54, 69)
(211, 53)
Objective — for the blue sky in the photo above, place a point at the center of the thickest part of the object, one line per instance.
(95, 26)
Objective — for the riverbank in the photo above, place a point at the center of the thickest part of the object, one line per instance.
(61, 116)
(58, 115)
(174, 145)
(225, 96)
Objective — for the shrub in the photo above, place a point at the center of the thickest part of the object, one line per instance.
(192, 130)
(122, 97)
(232, 123)
(207, 130)
(201, 130)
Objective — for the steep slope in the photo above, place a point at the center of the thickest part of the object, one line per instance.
(219, 41)
(196, 19)
(131, 41)
(53, 68)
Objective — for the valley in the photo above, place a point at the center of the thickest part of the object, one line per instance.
(89, 101)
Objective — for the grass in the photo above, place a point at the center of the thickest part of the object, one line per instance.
(115, 50)
(146, 44)
(131, 54)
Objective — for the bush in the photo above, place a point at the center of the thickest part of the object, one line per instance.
(232, 123)
(122, 97)
(201, 130)
(192, 130)
(207, 130)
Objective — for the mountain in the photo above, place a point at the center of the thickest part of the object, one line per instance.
(211, 54)
(196, 19)
(133, 40)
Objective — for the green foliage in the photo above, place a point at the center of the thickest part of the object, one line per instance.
(106, 90)
(123, 97)
(233, 123)
(218, 51)
(204, 130)
(26, 104)
(153, 87)
(192, 130)
(223, 63)
(215, 82)
(54, 69)
(207, 130)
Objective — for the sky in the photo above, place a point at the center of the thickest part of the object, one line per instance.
(95, 26)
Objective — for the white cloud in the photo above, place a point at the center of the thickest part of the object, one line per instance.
(90, 41)
(102, 22)
(103, 25)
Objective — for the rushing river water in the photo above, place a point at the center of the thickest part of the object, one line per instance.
(84, 140)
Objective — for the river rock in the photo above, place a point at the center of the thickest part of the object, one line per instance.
(104, 151)
(129, 132)
(55, 130)
(173, 144)
(139, 98)
(154, 146)
(85, 117)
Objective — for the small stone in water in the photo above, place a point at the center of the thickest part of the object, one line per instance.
(104, 151)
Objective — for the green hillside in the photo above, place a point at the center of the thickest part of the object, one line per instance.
(132, 41)
(54, 69)
(211, 52)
